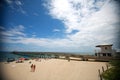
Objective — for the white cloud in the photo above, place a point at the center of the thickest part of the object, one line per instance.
(95, 23)
(18, 2)
(12, 35)
(22, 10)
(16, 31)
(56, 30)
(35, 14)
(33, 35)
(16, 6)
(9, 1)
(94, 20)
(2, 28)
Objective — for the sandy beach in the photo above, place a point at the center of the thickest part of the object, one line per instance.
(52, 69)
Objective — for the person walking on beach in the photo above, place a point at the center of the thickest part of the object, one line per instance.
(32, 67)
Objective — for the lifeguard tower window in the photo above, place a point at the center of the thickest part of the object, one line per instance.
(105, 48)
(104, 54)
(109, 54)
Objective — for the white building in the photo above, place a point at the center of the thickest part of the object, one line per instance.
(105, 50)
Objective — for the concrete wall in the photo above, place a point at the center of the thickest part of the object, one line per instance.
(106, 49)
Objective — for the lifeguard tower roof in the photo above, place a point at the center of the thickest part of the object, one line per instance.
(104, 45)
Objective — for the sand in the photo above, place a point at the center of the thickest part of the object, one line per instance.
(53, 69)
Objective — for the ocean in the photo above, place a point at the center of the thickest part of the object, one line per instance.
(5, 55)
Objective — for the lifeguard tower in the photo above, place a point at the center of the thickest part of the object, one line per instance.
(105, 50)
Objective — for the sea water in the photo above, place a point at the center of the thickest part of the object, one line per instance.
(5, 55)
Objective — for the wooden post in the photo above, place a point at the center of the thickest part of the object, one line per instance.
(107, 66)
(100, 74)
(103, 69)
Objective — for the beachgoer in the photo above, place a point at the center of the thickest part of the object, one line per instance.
(31, 68)
(40, 60)
(34, 66)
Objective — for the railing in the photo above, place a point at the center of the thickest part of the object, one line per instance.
(99, 51)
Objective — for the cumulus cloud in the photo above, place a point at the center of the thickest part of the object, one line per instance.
(73, 12)
(76, 14)
(94, 20)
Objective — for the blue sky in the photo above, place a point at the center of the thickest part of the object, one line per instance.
(58, 25)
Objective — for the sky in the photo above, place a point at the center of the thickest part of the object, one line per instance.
(58, 25)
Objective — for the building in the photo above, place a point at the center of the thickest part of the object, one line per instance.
(105, 50)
